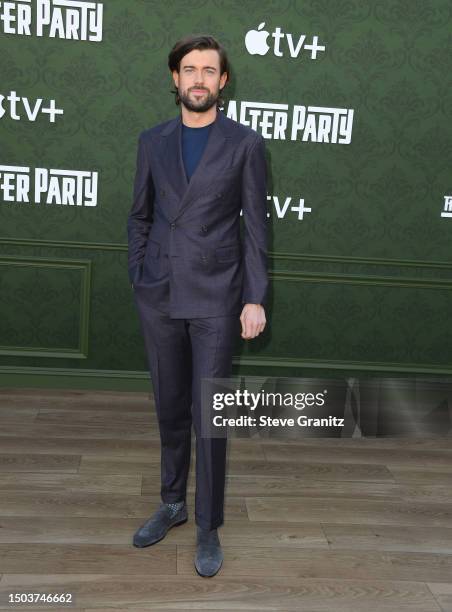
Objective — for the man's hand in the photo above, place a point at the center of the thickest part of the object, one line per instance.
(252, 320)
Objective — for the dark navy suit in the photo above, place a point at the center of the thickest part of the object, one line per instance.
(192, 272)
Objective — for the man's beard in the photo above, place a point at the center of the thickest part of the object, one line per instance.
(202, 104)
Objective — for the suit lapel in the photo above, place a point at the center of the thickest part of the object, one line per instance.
(212, 158)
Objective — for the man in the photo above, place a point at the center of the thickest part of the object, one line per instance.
(197, 285)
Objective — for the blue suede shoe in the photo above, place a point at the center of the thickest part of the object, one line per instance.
(156, 527)
(209, 556)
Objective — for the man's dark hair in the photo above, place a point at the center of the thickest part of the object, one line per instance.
(200, 42)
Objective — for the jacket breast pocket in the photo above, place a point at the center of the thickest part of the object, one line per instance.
(227, 253)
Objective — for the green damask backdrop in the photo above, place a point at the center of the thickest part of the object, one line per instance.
(363, 284)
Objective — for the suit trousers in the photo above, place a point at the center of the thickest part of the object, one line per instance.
(181, 352)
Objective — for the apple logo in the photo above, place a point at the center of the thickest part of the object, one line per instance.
(256, 41)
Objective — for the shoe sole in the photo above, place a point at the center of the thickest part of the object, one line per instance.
(155, 541)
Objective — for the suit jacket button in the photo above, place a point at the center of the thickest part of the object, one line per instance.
(173, 225)
(219, 195)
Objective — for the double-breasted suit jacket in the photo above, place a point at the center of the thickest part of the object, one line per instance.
(186, 255)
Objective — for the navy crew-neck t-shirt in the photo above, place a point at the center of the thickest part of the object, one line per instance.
(194, 141)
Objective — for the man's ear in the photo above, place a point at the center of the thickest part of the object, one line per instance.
(175, 78)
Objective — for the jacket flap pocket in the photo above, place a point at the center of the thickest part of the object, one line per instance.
(228, 253)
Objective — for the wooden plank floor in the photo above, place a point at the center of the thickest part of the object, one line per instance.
(319, 525)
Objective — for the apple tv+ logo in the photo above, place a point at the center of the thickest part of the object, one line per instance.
(256, 43)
